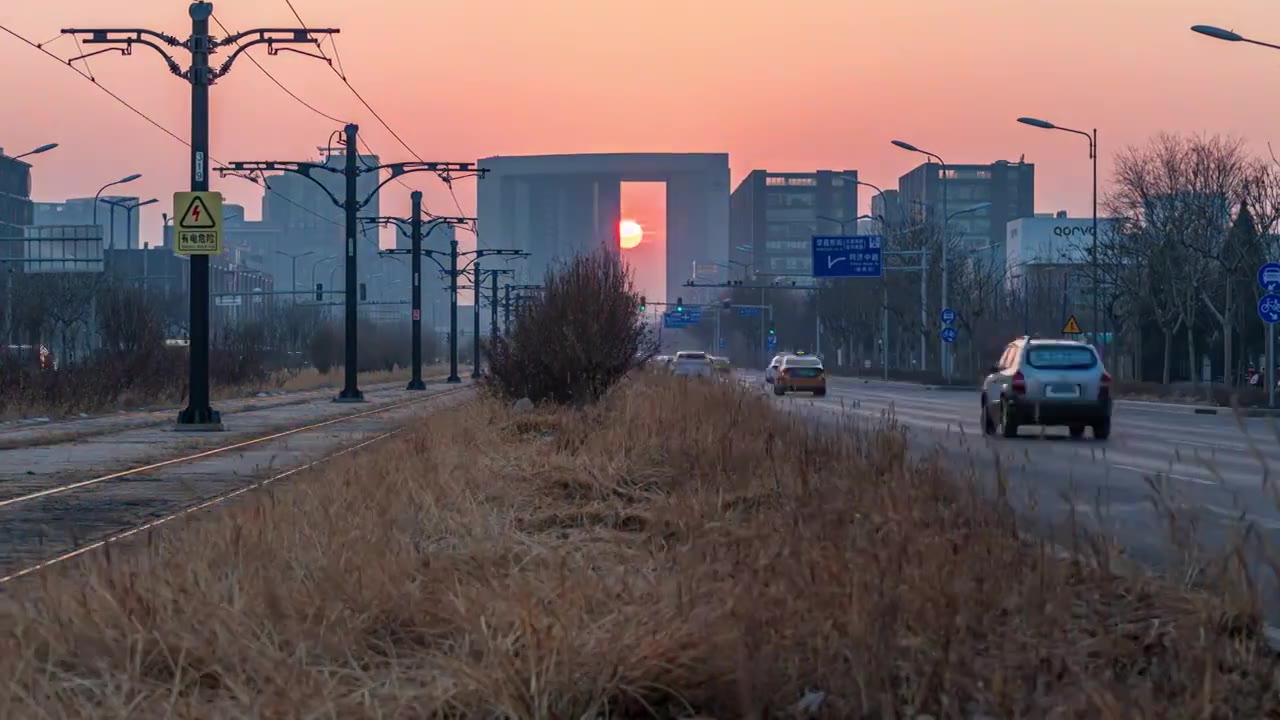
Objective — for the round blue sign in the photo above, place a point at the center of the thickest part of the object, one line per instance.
(949, 315)
(949, 334)
(1269, 277)
(1269, 308)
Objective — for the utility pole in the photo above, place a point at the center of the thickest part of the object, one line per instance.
(506, 311)
(493, 307)
(352, 204)
(416, 234)
(198, 414)
(454, 271)
(475, 316)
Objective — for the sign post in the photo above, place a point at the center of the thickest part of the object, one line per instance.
(1269, 311)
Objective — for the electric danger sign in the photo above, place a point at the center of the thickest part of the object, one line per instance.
(198, 229)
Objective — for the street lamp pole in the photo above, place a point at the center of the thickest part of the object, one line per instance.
(294, 269)
(37, 151)
(121, 181)
(1093, 156)
(944, 357)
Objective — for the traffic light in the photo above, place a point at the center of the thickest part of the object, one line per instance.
(771, 329)
(726, 303)
(679, 304)
(642, 303)
(363, 294)
(319, 292)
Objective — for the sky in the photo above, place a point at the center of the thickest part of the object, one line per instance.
(783, 86)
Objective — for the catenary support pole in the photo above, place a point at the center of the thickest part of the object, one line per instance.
(1270, 374)
(350, 387)
(506, 311)
(453, 312)
(493, 307)
(475, 318)
(415, 264)
(198, 415)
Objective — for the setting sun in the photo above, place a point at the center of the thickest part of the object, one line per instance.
(629, 234)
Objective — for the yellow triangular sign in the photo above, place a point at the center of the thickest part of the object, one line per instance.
(1072, 327)
(197, 216)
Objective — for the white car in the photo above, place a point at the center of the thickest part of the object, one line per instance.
(771, 372)
(692, 364)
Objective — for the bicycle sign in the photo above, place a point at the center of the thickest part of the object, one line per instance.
(1269, 308)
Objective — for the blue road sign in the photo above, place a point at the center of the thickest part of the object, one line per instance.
(949, 334)
(1269, 277)
(1269, 308)
(948, 316)
(676, 320)
(723, 343)
(772, 342)
(748, 312)
(847, 256)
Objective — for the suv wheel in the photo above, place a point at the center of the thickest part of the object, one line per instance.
(1102, 428)
(1008, 425)
(1077, 431)
(988, 423)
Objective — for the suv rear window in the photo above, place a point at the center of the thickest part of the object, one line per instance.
(691, 356)
(803, 362)
(1061, 357)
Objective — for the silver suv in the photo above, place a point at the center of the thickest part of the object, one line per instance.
(1047, 382)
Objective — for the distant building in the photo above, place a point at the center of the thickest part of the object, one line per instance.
(887, 206)
(773, 217)
(1008, 186)
(304, 218)
(15, 196)
(1042, 246)
(119, 224)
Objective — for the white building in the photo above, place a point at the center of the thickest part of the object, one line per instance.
(1045, 243)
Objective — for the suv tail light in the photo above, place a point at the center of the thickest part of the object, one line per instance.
(1104, 387)
(1019, 383)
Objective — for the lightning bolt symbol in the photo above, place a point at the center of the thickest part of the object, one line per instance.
(195, 213)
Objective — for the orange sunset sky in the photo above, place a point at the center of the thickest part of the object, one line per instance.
(793, 85)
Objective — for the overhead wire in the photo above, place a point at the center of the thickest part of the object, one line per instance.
(279, 84)
(341, 73)
(144, 116)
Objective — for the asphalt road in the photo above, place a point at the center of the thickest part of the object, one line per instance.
(1217, 470)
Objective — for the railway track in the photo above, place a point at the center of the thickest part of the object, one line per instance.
(73, 504)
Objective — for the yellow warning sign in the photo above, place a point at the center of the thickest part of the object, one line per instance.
(198, 228)
(1072, 327)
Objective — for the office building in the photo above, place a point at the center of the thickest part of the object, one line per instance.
(887, 206)
(774, 216)
(15, 207)
(305, 219)
(1047, 245)
(1009, 187)
(558, 206)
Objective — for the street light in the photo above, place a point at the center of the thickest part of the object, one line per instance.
(128, 217)
(121, 181)
(1093, 155)
(294, 277)
(37, 151)
(1218, 33)
(943, 355)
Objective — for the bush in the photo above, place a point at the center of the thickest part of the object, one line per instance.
(571, 344)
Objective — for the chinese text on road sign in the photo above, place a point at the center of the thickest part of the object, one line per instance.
(847, 256)
(198, 228)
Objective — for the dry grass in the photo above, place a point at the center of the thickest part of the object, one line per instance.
(680, 549)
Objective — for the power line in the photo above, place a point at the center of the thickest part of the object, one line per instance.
(343, 76)
(279, 84)
(146, 117)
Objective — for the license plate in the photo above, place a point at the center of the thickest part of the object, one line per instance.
(1062, 390)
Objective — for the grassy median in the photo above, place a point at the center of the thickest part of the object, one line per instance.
(682, 548)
